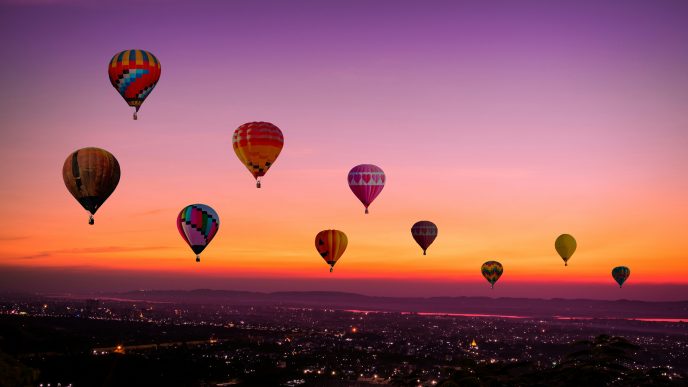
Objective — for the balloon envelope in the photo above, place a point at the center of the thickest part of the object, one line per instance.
(366, 182)
(492, 270)
(424, 232)
(620, 274)
(198, 224)
(134, 74)
(331, 245)
(566, 246)
(91, 175)
(257, 145)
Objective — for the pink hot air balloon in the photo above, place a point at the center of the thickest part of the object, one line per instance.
(366, 182)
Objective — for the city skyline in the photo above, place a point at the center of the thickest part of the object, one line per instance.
(504, 124)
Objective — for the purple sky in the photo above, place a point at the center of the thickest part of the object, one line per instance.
(506, 122)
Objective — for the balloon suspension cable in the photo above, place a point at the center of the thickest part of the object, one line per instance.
(198, 258)
(258, 182)
(91, 221)
(366, 210)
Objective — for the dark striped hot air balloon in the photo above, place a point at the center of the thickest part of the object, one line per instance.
(134, 74)
(198, 224)
(424, 232)
(91, 175)
(366, 182)
(257, 145)
(620, 274)
(492, 270)
(331, 245)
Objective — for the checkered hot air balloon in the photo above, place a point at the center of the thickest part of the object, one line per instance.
(492, 270)
(331, 245)
(91, 176)
(620, 274)
(198, 224)
(366, 182)
(257, 145)
(134, 74)
(424, 232)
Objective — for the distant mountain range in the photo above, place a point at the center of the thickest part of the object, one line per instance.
(524, 307)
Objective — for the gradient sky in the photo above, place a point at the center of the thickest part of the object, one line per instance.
(506, 123)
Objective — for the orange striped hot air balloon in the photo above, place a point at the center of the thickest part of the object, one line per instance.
(257, 145)
(331, 245)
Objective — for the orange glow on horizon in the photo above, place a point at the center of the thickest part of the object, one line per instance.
(503, 149)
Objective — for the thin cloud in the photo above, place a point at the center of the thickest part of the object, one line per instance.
(14, 238)
(152, 212)
(83, 3)
(35, 256)
(92, 250)
(37, 2)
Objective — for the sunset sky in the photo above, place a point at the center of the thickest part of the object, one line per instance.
(506, 123)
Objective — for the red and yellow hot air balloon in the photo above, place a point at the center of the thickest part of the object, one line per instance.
(134, 74)
(331, 245)
(257, 145)
(91, 176)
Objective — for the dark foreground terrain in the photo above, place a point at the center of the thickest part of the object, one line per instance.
(108, 342)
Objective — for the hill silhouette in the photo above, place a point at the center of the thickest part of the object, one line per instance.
(523, 307)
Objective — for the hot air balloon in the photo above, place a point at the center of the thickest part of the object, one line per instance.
(565, 245)
(620, 274)
(424, 232)
(134, 74)
(331, 245)
(257, 145)
(198, 224)
(492, 270)
(366, 182)
(91, 175)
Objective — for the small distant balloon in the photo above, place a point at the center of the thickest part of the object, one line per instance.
(257, 145)
(566, 246)
(134, 74)
(198, 224)
(366, 182)
(620, 274)
(91, 176)
(492, 270)
(424, 232)
(331, 244)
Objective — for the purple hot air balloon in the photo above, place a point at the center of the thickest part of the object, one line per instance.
(366, 182)
(424, 232)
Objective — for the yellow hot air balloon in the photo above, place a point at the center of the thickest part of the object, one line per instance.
(257, 145)
(331, 245)
(566, 246)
